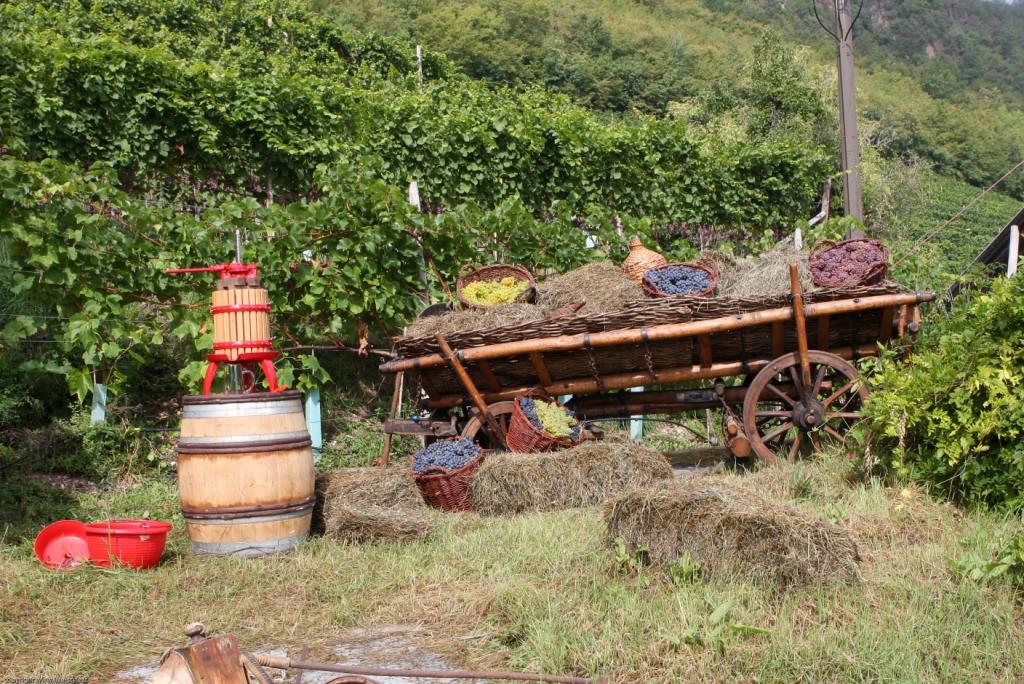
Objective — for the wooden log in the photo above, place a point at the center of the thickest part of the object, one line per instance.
(659, 333)
(778, 339)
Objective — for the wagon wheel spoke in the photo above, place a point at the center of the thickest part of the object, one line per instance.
(815, 440)
(774, 414)
(781, 430)
(838, 393)
(793, 450)
(835, 434)
(818, 379)
(780, 394)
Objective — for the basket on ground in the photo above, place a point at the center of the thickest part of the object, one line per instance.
(652, 290)
(448, 489)
(526, 438)
(494, 272)
(860, 261)
(132, 542)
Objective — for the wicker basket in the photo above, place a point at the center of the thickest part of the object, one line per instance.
(640, 260)
(858, 273)
(448, 489)
(651, 291)
(525, 438)
(471, 274)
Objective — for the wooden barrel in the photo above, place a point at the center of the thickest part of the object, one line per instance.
(245, 472)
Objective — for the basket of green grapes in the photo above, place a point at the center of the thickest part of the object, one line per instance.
(484, 286)
(539, 423)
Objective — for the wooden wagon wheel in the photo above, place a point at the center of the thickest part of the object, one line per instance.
(476, 428)
(780, 423)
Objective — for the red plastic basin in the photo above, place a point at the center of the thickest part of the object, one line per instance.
(134, 543)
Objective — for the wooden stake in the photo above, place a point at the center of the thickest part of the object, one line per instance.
(801, 325)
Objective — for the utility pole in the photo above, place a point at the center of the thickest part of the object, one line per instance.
(853, 202)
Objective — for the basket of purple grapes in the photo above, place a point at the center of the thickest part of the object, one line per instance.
(443, 470)
(861, 261)
(539, 423)
(687, 278)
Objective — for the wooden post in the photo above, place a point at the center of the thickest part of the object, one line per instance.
(396, 403)
(799, 317)
(467, 382)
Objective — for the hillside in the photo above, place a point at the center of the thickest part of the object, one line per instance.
(946, 91)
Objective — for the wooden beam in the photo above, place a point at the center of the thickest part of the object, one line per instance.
(542, 370)
(704, 346)
(485, 369)
(821, 343)
(778, 339)
(885, 331)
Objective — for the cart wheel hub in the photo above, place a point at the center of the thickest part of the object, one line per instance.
(808, 415)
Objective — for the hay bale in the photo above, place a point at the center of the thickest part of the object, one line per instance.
(585, 475)
(476, 319)
(731, 531)
(363, 504)
(601, 284)
(765, 275)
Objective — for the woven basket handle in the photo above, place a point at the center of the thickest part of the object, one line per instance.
(878, 270)
(820, 246)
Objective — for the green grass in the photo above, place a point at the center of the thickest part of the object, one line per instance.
(548, 595)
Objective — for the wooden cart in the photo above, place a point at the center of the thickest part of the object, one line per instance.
(781, 369)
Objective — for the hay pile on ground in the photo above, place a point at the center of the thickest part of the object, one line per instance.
(730, 531)
(601, 284)
(585, 475)
(476, 319)
(766, 274)
(363, 504)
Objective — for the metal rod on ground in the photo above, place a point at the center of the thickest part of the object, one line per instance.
(287, 663)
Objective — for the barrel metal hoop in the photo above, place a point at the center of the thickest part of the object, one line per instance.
(245, 440)
(257, 511)
(255, 397)
(248, 549)
(243, 448)
(242, 410)
(234, 519)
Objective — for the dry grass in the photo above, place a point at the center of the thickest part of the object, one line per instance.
(476, 319)
(585, 475)
(764, 275)
(731, 532)
(366, 504)
(601, 284)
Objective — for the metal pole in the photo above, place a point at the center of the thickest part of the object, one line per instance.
(853, 203)
(1013, 255)
(419, 64)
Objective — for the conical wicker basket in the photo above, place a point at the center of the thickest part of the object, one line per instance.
(640, 260)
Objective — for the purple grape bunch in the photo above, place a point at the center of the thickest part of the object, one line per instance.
(447, 454)
(679, 279)
(530, 411)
